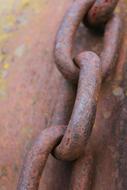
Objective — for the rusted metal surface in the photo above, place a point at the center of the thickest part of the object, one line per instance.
(101, 11)
(84, 111)
(57, 171)
(37, 157)
(108, 142)
(65, 37)
(27, 94)
(68, 28)
(82, 172)
(112, 39)
(75, 138)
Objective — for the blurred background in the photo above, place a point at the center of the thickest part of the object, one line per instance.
(27, 77)
(29, 81)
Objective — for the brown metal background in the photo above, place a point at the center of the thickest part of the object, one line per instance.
(29, 95)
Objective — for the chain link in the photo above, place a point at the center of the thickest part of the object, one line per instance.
(87, 71)
(66, 33)
(84, 112)
(101, 12)
(37, 157)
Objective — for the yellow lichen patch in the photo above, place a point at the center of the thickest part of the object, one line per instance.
(25, 3)
(8, 23)
(31, 4)
(10, 19)
(6, 65)
(3, 37)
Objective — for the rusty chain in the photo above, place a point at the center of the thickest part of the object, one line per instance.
(37, 157)
(87, 71)
(67, 31)
(83, 115)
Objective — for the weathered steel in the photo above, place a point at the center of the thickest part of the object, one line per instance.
(59, 172)
(92, 71)
(37, 157)
(28, 80)
(83, 172)
(111, 44)
(65, 38)
(71, 147)
(101, 12)
(84, 111)
(68, 28)
(27, 94)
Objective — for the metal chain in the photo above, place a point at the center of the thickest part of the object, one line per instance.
(83, 115)
(66, 33)
(84, 111)
(88, 71)
(101, 12)
(37, 157)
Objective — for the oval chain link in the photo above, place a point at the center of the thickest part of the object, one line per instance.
(66, 33)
